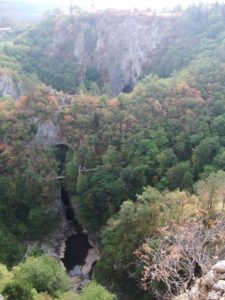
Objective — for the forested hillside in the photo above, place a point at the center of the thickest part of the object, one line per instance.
(143, 172)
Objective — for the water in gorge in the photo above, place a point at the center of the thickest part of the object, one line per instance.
(77, 245)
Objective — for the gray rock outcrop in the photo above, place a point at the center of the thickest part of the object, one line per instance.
(10, 86)
(209, 287)
(47, 133)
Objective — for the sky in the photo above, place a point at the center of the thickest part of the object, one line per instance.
(128, 4)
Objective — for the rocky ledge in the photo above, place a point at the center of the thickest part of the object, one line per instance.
(209, 287)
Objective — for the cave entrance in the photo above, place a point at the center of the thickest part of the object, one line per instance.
(77, 246)
(60, 154)
(128, 88)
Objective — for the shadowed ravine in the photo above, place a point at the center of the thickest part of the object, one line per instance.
(77, 244)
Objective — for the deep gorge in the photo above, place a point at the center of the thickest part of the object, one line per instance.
(140, 175)
(77, 244)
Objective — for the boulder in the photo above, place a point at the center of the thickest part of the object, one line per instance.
(219, 267)
(210, 279)
(220, 285)
(213, 296)
(194, 293)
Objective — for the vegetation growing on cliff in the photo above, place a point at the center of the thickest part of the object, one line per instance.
(139, 165)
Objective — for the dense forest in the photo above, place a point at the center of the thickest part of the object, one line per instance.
(145, 170)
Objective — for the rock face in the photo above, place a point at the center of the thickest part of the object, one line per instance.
(9, 86)
(91, 258)
(47, 133)
(121, 47)
(209, 287)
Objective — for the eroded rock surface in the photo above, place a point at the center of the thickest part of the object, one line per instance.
(10, 86)
(121, 47)
(47, 133)
(209, 287)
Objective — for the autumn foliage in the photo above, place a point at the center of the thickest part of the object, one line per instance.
(179, 254)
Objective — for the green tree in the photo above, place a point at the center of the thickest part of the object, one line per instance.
(44, 274)
(121, 237)
(212, 192)
(11, 250)
(180, 176)
(18, 291)
(5, 277)
(95, 291)
(204, 152)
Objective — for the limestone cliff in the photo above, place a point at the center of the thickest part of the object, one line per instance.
(122, 47)
(10, 86)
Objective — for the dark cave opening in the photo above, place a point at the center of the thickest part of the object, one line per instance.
(69, 214)
(60, 154)
(65, 196)
(128, 88)
(77, 247)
